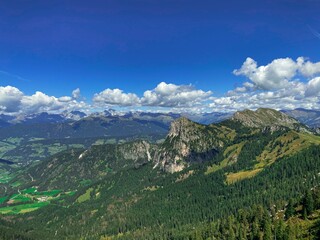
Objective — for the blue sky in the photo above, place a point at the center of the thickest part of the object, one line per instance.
(55, 47)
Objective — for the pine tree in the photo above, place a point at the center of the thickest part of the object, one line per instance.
(308, 203)
(267, 230)
(289, 210)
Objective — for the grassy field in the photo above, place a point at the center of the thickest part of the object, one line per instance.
(30, 199)
(23, 208)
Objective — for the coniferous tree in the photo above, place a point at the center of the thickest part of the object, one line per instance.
(308, 203)
(267, 230)
(289, 210)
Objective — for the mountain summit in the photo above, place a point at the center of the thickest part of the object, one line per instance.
(267, 118)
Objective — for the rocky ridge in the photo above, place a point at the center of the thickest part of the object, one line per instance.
(268, 119)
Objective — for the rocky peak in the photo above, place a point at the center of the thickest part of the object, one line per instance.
(181, 127)
(187, 142)
(265, 117)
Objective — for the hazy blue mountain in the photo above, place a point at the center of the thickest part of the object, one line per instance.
(308, 117)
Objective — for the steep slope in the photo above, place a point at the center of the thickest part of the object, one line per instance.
(267, 118)
(74, 168)
(188, 142)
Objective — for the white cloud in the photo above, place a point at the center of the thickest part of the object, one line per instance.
(177, 96)
(10, 98)
(307, 68)
(275, 75)
(76, 94)
(281, 84)
(115, 97)
(278, 73)
(313, 87)
(14, 101)
(40, 102)
(164, 95)
(294, 96)
(65, 99)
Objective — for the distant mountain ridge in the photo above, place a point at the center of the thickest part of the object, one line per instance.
(71, 116)
(309, 117)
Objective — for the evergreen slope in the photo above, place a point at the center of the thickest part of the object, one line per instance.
(131, 193)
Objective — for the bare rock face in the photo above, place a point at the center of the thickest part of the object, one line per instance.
(139, 150)
(267, 119)
(185, 143)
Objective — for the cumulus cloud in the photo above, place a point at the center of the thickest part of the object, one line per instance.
(40, 102)
(272, 76)
(171, 95)
(14, 101)
(313, 87)
(278, 73)
(10, 98)
(307, 68)
(115, 97)
(164, 95)
(282, 84)
(76, 94)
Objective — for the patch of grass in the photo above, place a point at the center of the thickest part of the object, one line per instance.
(19, 198)
(23, 208)
(33, 139)
(50, 193)
(285, 145)
(14, 140)
(215, 167)
(84, 197)
(227, 133)
(71, 193)
(231, 153)
(234, 177)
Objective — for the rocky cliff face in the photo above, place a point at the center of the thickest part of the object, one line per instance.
(139, 150)
(189, 142)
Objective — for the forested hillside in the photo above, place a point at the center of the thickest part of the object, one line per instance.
(231, 180)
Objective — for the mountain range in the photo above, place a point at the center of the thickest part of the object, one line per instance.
(178, 188)
(310, 118)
